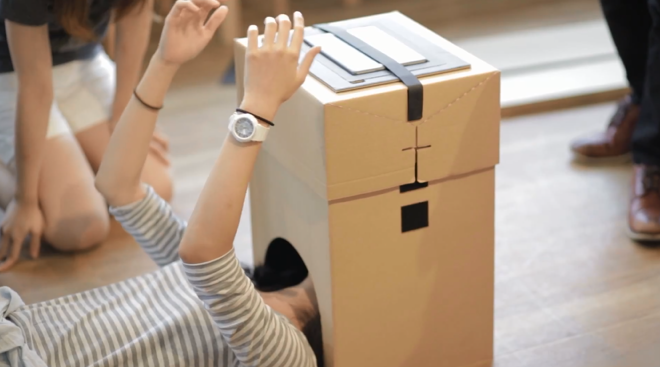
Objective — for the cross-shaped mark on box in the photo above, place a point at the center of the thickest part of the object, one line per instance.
(415, 185)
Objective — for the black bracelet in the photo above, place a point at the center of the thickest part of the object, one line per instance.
(258, 118)
(146, 104)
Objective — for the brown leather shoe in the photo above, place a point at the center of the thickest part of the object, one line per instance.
(644, 217)
(612, 145)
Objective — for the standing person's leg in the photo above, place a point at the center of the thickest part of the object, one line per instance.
(646, 138)
(644, 218)
(86, 109)
(629, 22)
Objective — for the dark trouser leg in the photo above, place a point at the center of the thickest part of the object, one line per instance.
(629, 22)
(646, 137)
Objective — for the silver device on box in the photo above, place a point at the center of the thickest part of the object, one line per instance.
(355, 61)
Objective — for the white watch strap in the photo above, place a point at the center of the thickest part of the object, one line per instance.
(260, 133)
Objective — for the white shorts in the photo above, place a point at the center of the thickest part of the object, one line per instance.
(83, 94)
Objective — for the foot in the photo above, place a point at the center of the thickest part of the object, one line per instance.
(612, 145)
(644, 217)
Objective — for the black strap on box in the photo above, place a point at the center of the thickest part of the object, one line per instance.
(415, 88)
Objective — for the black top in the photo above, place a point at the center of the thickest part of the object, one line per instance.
(64, 47)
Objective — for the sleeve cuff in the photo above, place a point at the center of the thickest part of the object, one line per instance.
(221, 261)
(128, 208)
(29, 14)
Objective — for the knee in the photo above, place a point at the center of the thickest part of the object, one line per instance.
(78, 232)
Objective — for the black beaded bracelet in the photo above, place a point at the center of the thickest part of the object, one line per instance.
(145, 104)
(257, 117)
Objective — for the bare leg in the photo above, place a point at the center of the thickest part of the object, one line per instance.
(94, 141)
(76, 214)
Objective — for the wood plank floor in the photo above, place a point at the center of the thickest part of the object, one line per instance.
(571, 289)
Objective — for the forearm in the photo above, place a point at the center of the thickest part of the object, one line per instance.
(32, 115)
(118, 178)
(215, 220)
(31, 57)
(132, 38)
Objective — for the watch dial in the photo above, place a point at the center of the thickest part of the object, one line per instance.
(244, 128)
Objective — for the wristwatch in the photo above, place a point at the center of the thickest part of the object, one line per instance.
(245, 128)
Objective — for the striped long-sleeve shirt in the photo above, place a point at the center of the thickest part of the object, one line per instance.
(159, 319)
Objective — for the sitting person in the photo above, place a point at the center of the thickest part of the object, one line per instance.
(202, 310)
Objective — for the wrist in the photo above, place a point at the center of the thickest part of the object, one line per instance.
(162, 66)
(26, 200)
(265, 110)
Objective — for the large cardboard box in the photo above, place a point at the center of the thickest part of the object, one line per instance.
(394, 218)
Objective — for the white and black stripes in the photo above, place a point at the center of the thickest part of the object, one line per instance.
(257, 335)
(158, 319)
(154, 226)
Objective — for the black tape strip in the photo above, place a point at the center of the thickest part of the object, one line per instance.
(413, 186)
(415, 88)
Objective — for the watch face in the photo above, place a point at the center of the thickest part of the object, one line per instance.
(244, 128)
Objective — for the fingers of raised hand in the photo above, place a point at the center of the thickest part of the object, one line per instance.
(253, 38)
(205, 5)
(270, 32)
(216, 18)
(298, 31)
(284, 27)
(306, 64)
(205, 8)
(184, 8)
(183, 12)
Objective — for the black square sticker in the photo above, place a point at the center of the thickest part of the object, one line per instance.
(414, 216)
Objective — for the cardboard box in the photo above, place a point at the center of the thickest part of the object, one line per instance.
(394, 218)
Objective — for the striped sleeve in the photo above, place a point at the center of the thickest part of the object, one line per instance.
(256, 334)
(153, 225)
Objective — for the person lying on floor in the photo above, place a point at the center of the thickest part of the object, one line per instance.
(200, 309)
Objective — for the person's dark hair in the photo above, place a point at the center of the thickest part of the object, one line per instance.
(283, 268)
(73, 15)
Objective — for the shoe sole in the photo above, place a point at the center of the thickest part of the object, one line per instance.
(642, 237)
(591, 161)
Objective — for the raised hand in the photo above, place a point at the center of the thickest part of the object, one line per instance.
(187, 31)
(272, 72)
